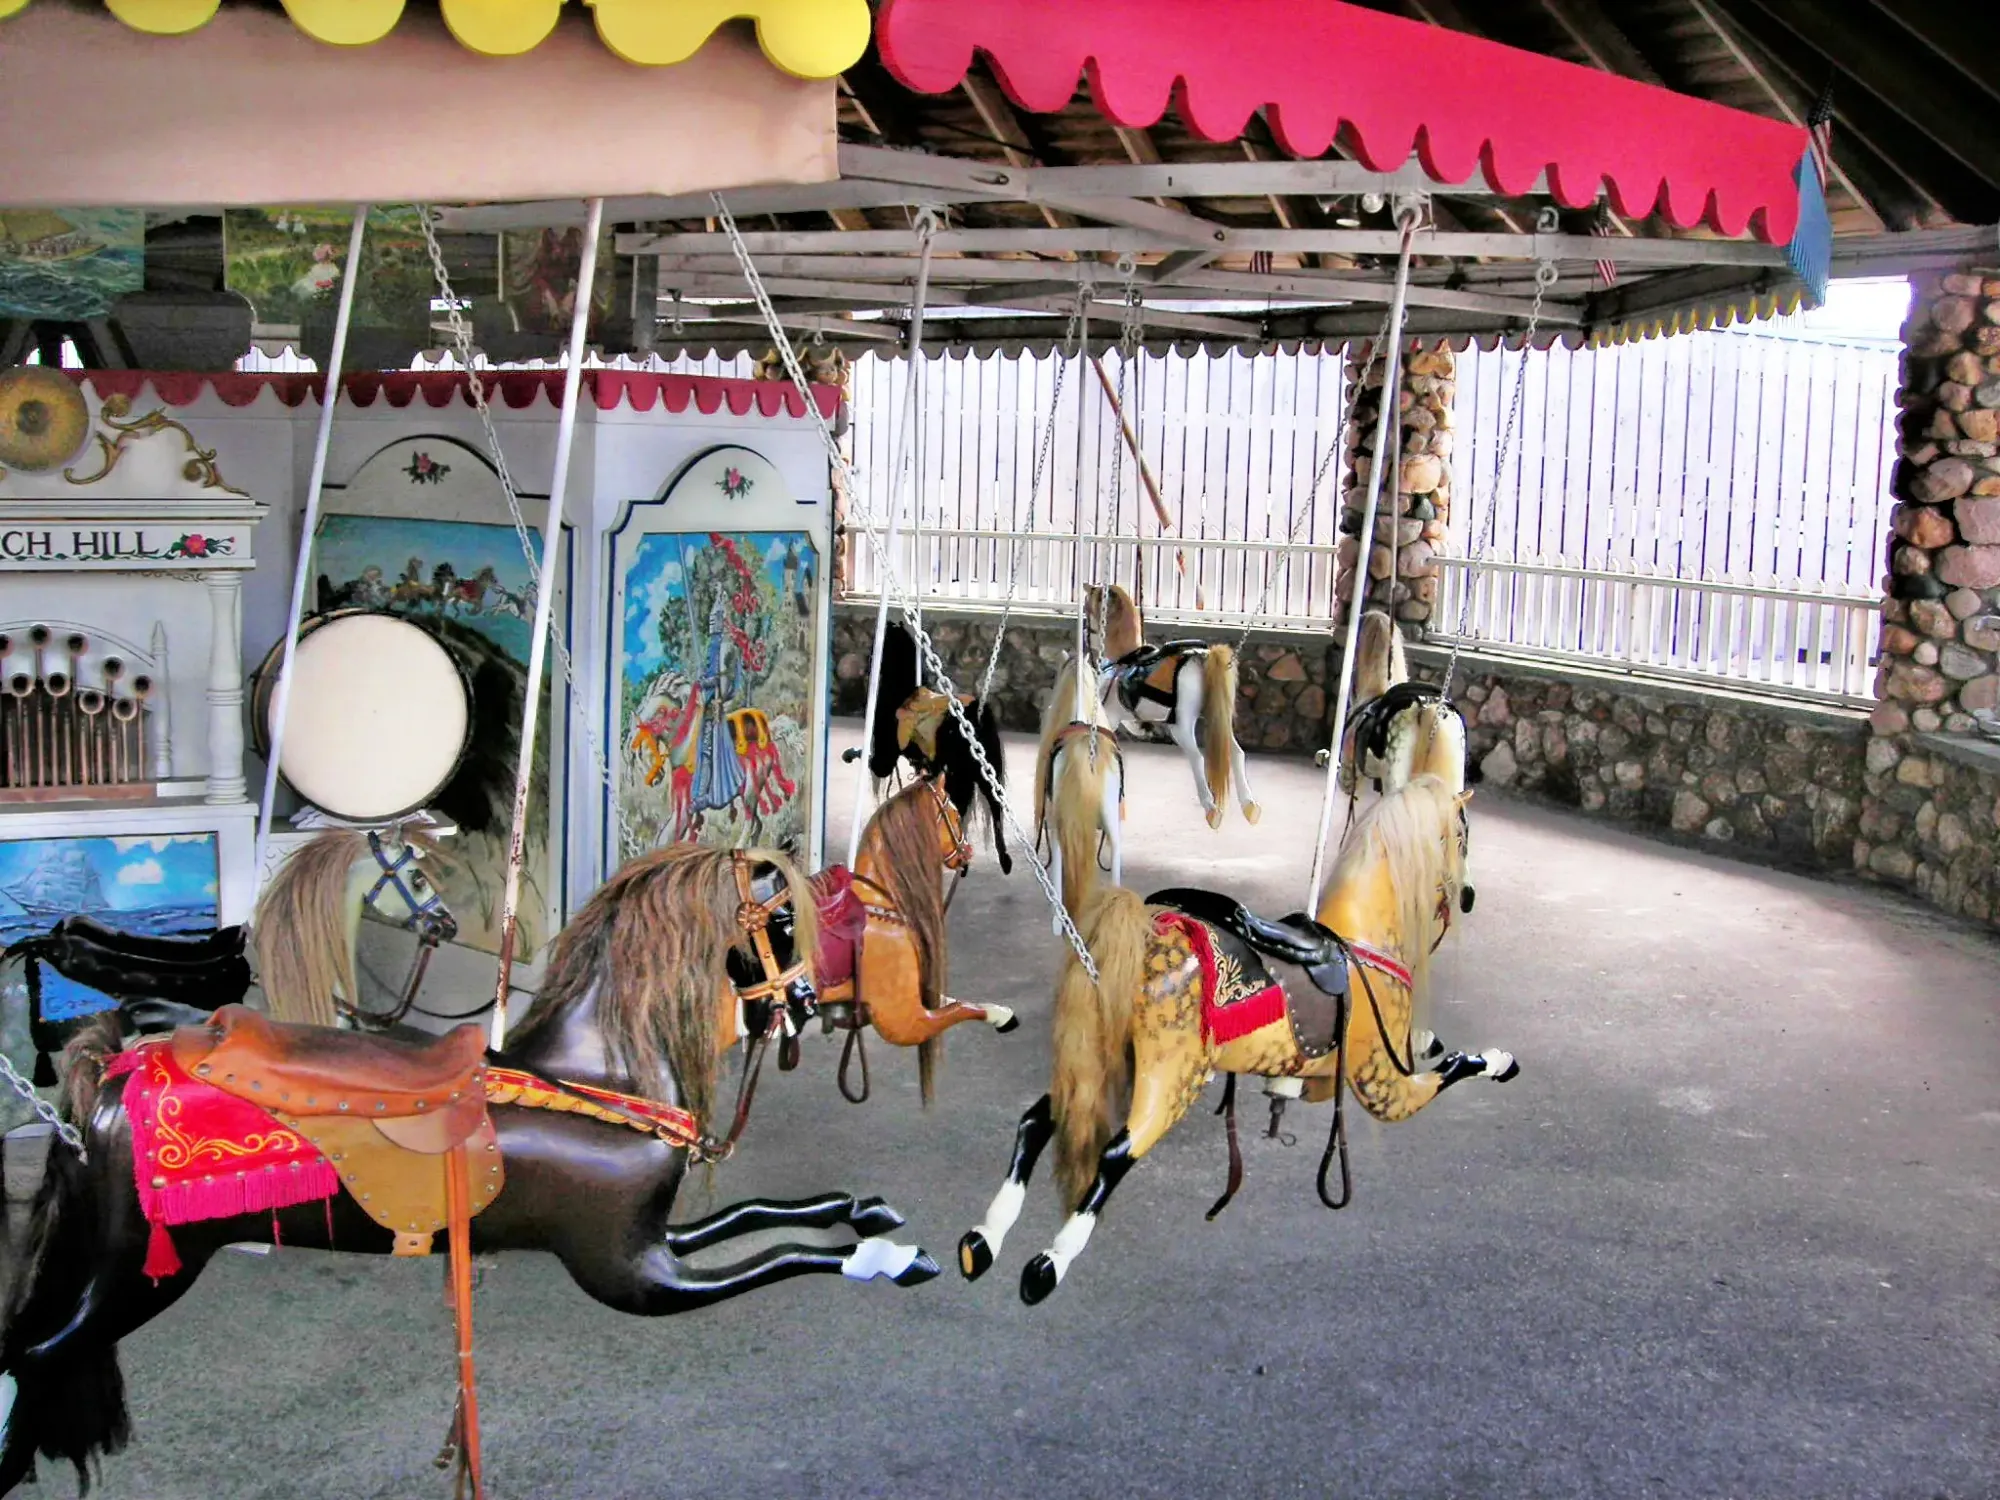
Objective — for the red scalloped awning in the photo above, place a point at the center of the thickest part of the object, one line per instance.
(610, 389)
(1385, 85)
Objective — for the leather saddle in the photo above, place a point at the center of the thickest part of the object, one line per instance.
(1146, 673)
(1296, 939)
(386, 1112)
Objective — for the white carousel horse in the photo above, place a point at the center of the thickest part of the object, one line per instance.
(1182, 691)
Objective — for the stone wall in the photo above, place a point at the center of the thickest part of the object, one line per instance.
(1411, 515)
(1747, 777)
(1931, 809)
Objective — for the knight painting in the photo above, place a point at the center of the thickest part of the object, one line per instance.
(717, 723)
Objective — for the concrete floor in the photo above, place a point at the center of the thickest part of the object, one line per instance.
(1732, 1232)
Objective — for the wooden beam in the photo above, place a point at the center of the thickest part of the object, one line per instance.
(997, 115)
(1600, 39)
(1967, 37)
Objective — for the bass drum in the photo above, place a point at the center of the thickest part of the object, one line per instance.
(379, 717)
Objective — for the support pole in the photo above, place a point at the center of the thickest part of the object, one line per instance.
(1392, 375)
(281, 698)
(517, 842)
(911, 412)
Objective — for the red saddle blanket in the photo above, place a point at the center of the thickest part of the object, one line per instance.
(842, 921)
(198, 1153)
(1232, 1006)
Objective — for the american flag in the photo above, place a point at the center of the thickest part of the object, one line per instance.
(1607, 269)
(1820, 123)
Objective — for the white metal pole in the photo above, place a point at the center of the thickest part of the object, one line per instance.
(510, 916)
(911, 412)
(281, 697)
(1364, 551)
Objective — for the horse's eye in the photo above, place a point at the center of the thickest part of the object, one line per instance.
(417, 881)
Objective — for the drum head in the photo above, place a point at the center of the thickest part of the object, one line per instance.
(378, 720)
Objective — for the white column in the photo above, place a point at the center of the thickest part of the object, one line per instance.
(225, 686)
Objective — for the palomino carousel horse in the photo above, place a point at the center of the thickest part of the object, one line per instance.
(1400, 727)
(304, 930)
(594, 1114)
(1079, 797)
(882, 957)
(1182, 691)
(915, 727)
(1184, 991)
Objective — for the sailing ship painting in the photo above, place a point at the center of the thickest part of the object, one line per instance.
(69, 265)
(154, 885)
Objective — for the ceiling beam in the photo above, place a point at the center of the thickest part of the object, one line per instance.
(1965, 36)
(998, 116)
(1600, 39)
(1637, 252)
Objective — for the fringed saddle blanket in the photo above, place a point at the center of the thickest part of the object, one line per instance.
(200, 1153)
(842, 921)
(1233, 1003)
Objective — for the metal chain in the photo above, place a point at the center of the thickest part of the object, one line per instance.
(461, 334)
(1333, 450)
(1545, 277)
(67, 1133)
(891, 587)
(1064, 355)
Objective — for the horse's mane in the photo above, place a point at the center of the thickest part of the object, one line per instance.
(901, 675)
(1121, 617)
(653, 943)
(1056, 717)
(1380, 661)
(300, 926)
(903, 838)
(1415, 834)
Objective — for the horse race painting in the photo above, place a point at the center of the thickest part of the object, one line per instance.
(716, 721)
(468, 584)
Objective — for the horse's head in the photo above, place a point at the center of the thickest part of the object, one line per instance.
(401, 893)
(773, 970)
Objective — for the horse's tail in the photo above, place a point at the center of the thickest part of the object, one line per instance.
(1082, 768)
(66, 1402)
(901, 675)
(1218, 719)
(96, 1040)
(1093, 1036)
(986, 725)
(1379, 662)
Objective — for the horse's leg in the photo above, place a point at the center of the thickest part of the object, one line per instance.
(1239, 774)
(1384, 1089)
(658, 1283)
(1169, 1067)
(865, 1216)
(1185, 730)
(977, 1250)
(888, 982)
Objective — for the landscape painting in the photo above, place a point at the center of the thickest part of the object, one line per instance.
(287, 261)
(468, 584)
(714, 674)
(72, 264)
(153, 885)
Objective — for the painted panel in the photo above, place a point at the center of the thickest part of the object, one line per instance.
(154, 884)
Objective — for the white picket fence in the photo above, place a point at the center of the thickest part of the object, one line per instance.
(1765, 637)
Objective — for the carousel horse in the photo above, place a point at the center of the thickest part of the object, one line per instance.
(304, 932)
(1184, 991)
(1178, 691)
(882, 954)
(1079, 798)
(915, 727)
(592, 1117)
(1400, 728)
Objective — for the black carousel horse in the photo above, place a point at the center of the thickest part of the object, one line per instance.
(937, 747)
(630, 1012)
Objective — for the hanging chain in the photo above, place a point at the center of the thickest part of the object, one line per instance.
(1068, 352)
(461, 335)
(67, 1133)
(1333, 450)
(891, 588)
(1545, 277)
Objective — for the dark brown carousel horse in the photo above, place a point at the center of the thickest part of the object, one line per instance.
(882, 949)
(914, 727)
(595, 1112)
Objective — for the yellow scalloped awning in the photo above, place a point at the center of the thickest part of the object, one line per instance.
(807, 38)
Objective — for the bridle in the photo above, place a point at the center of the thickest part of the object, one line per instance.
(753, 920)
(427, 913)
(958, 854)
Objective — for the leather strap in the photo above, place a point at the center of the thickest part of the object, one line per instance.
(1227, 1109)
(458, 1195)
(855, 1046)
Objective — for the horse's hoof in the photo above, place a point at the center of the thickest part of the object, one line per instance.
(920, 1270)
(871, 1216)
(1038, 1279)
(1215, 817)
(1252, 812)
(1466, 897)
(1008, 1022)
(1510, 1070)
(975, 1256)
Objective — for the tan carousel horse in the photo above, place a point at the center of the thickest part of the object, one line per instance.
(1181, 691)
(1079, 794)
(1184, 992)
(882, 954)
